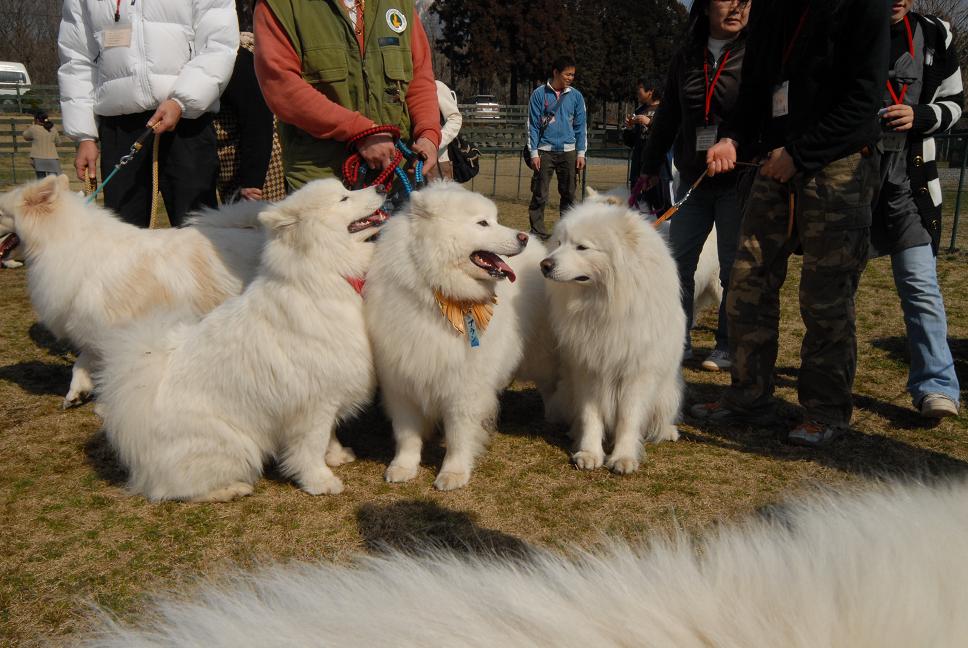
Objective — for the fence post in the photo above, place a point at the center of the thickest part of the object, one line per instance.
(494, 179)
(13, 156)
(517, 193)
(961, 183)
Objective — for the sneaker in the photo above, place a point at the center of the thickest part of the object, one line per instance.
(938, 406)
(814, 434)
(715, 412)
(718, 360)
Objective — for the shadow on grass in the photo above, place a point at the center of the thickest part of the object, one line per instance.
(896, 347)
(43, 338)
(103, 460)
(40, 378)
(522, 414)
(416, 526)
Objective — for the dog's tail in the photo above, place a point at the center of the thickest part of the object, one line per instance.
(133, 370)
(243, 214)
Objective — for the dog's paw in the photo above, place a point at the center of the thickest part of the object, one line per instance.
(228, 493)
(73, 399)
(669, 433)
(447, 481)
(340, 456)
(396, 474)
(585, 460)
(323, 485)
(11, 264)
(622, 465)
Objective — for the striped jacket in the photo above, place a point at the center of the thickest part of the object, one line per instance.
(942, 100)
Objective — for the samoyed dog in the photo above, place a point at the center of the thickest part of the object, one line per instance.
(88, 272)
(708, 289)
(449, 324)
(881, 569)
(617, 319)
(193, 410)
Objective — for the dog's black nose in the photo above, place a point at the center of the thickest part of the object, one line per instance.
(547, 266)
(522, 238)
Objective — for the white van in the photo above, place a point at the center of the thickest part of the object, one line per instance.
(11, 76)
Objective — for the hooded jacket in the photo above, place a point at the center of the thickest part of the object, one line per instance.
(179, 49)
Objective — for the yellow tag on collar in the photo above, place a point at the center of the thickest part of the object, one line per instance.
(455, 312)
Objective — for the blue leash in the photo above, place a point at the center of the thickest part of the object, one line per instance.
(137, 146)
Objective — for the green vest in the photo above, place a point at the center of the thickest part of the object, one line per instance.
(374, 84)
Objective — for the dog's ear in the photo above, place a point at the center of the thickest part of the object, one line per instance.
(418, 204)
(278, 217)
(40, 196)
(631, 229)
(592, 193)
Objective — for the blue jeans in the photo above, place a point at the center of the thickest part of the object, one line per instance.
(932, 368)
(687, 234)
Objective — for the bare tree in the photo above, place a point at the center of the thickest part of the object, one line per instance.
(28, 35)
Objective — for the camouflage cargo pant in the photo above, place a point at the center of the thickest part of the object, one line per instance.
(833, 217)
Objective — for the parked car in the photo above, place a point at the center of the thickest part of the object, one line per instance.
(485, 107)
(14, 82)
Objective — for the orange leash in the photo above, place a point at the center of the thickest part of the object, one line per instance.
(669, 213)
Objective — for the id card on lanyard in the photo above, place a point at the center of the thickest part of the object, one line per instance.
(708, 135)
(781, 91)
(120, 34)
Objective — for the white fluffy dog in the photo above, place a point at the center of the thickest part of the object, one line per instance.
(194, 410)
(708, 290)
(618, 322)
(448, 332)
(885, 569)
(88, 272)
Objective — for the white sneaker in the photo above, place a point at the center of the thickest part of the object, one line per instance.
(938, 406)
(718, 360)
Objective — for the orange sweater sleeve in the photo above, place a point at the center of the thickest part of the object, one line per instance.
(288, 95)
(422, 92)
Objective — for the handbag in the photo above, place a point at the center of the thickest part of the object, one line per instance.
(545, 121)
(465, 159)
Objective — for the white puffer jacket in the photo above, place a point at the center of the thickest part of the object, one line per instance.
(180, 49)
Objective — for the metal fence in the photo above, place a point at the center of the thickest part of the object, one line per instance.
(499, 134)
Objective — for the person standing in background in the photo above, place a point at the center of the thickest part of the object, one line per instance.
(701, 92)
(557, 139)
(924, 97)
(450, 123)
(639, 123)
(44, 138)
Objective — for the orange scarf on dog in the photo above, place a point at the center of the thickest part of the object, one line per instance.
(455, 312)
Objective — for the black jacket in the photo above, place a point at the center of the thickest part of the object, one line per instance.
(837, 68)
(243, 96)
(683, 110)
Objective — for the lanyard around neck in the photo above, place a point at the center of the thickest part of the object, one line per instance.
(796, 35)
(904, 87)
(711, 87)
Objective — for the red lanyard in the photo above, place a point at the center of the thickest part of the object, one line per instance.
(710, 87)
(900, 99)
(796, 35)
(117, 12)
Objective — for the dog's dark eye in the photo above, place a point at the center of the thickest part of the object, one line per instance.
(483, 223)
(344, 198)
(580, 248)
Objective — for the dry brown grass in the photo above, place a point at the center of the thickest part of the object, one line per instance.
(71, 536)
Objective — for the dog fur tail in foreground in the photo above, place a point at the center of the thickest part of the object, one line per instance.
(882, 568)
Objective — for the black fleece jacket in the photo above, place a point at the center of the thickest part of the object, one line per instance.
(837, 68)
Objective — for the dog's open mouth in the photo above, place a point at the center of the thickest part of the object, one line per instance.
(7, 244)
(493, 264)
(375, 219)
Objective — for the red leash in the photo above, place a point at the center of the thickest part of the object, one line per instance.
(351, 166)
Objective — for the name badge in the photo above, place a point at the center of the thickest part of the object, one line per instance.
(706, 137)
(893, 142)
(117, 37)
(781, 99)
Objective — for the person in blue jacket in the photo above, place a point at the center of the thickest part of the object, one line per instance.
(557, 139)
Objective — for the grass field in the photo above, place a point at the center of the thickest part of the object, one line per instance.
(71, 536)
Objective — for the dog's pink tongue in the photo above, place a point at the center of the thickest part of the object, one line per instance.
(500, 264)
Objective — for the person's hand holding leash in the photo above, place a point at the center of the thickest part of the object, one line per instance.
(166, 117)
(251, 193)
(377, 150)
(580, 162)
(85, 163)
(426, 149)
(536, 163)
(779, 166)
(721, 157)
(900, 117)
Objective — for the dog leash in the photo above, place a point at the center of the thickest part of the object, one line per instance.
(125, 159)
(354, 168)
